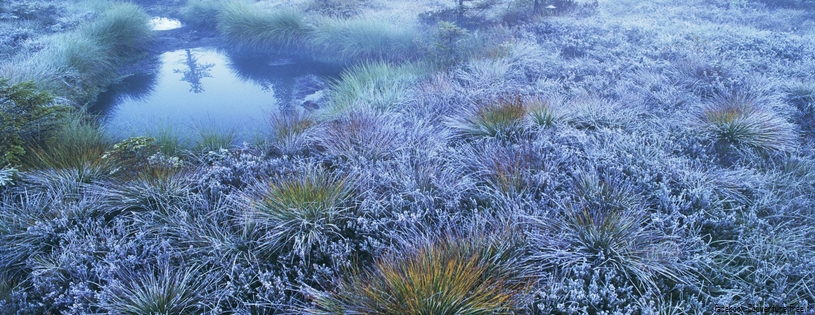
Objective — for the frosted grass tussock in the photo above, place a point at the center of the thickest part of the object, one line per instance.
(473, 274)
(301, 211)
(743, 121)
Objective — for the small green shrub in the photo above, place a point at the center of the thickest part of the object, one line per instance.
(356, 40)
(7, 175)
(452, 275)
(248, 28)
(27, 115)
(448, 47)
(142, 157)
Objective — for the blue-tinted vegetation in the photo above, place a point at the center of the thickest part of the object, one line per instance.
(471, 157)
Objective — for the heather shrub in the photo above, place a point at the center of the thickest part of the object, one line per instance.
(141, 157)
(226, 171)
(336, 8)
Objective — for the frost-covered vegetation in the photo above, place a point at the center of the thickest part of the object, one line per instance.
(497, 157)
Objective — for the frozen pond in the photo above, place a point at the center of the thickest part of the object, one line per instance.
(204, 90)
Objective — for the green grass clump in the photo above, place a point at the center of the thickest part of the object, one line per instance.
(453, 275)
(123, 28)
(77, 64)
(169, 139)
(201, 13)
(349, 41)
(77, 144)
(301, 212)
(542, 113)
(379, 86)
(214, 140)
(502, 119)
(607, 228)
(167, 291)
(290, 131)
(802, 95)
(83, 55)
(251, 29)
(740, 121)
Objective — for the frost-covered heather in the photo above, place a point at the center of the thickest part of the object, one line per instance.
(633, 157)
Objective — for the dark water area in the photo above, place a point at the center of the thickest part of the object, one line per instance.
(205, 90)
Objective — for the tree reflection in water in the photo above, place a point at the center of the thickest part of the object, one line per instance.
(194, 72)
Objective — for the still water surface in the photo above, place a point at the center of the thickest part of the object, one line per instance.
(202, 90)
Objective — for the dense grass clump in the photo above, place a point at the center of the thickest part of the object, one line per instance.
(78, 144)
(358, 40)
(500, 120)
(450, 275)
(76, 65)
(379, 86)
(290, 131)
(741, 121)
(301, 212)
(603, 238)
(168, 290)
(249, 28)
(360, 135)
(124, 29)
(90, 59)
(210, 139)
(201, 13)
(505, 118)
